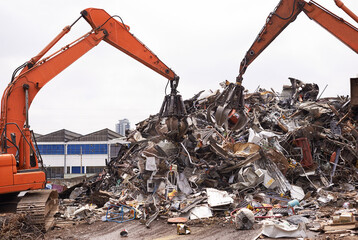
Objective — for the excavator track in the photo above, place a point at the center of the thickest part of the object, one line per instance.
(41, 205)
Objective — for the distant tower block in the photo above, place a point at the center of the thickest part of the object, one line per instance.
(122, 126)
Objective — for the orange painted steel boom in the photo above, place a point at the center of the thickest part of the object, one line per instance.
(18, 161)
(286, 12)
(341, 5)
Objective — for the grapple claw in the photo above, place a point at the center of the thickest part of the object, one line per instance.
(177, 128)
(221, 115)
(228, 108)
(174, 113)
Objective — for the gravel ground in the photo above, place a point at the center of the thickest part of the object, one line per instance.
(159, 230)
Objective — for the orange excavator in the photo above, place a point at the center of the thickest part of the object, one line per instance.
(20, 163)
(230, 104)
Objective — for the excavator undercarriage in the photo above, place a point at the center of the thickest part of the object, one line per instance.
(40, 205)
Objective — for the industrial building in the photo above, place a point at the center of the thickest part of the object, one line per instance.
(68, 154)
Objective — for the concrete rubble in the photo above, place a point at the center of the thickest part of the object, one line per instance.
(292, 170)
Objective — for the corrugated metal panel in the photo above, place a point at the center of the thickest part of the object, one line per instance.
(58, 136)
(102, 135)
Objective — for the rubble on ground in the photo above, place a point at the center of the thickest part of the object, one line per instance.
(18, 226)
(293, 168)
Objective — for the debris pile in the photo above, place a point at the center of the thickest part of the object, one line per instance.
(18, 226)
(295, 158)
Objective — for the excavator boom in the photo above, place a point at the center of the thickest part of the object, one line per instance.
(341, 29)
(120, 37)
(285, 13)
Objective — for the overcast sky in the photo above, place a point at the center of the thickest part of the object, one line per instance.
(202, 41)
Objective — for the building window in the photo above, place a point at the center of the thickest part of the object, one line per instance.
(51, 149)
(76, 170)
(55, 172)
(87, 149)
(94, 169)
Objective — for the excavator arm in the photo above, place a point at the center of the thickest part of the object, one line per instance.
(16, 145)
(118, 36)
(285, 13)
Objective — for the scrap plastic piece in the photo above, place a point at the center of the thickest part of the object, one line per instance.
(183, 184)
(200, 212)
(218, 198)
(119, 213)
(244, 219)
(281, 229)
(297, 192)
(151, 164)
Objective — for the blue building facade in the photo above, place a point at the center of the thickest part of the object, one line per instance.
(67, 153)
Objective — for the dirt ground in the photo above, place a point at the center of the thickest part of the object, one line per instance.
(159, 230)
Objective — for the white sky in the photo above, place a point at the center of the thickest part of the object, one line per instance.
(202, 41)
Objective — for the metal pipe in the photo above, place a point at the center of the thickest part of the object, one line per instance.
(322, 91)
(341, 5)
(335, 165)
(26, 88)
(64, 31)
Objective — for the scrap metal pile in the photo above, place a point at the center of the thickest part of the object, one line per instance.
(296, 155)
